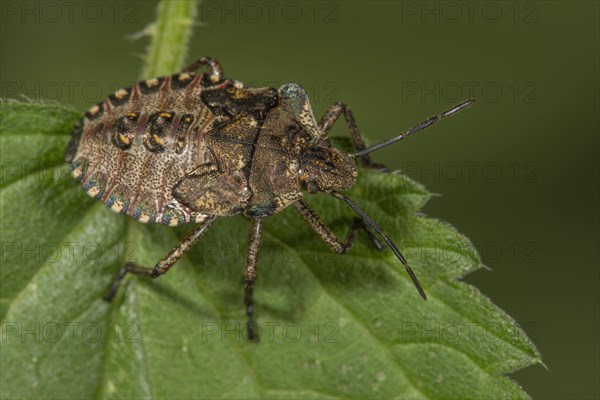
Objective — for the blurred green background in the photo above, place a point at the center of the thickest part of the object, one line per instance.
(517, 173)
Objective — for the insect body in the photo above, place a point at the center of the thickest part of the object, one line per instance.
(191, 147)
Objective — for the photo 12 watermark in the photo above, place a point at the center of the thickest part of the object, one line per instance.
(518, 92)
(70, 12)
(454, 332)
(470, 12)
(91, 253)
(491, 252)
(68, 332)
(473, 172)
(92, 92)
(51, 252)
(270, 12)
(271, 332)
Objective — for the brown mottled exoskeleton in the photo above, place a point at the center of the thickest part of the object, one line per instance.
(191, 147)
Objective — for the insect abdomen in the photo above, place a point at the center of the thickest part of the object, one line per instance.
(129, 155)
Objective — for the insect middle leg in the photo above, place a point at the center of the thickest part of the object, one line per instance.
(250, 274)
(335, 244)
(214, 67)
(165, 263)
(332, 115)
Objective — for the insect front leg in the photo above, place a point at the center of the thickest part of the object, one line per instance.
(332, 115)
(165, 263)
(250, 274)
(214, 67)
(335, 244)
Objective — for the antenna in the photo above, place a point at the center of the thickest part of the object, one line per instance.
(385, 237)
(428, 122)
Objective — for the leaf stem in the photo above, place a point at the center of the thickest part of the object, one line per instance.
(170, 33)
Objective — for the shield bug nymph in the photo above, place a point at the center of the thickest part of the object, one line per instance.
(192, 147)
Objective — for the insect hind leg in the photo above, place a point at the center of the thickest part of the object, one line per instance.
(250, 274)
(332, 115)
(164, 264)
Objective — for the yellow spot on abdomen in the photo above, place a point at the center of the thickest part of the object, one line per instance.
(119, 94)
(94, 110)
(158, 140)
(124, 139)
(93, 191)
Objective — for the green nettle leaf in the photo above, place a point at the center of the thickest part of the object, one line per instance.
(330, 325)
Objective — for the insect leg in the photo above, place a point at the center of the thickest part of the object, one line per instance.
(250, 274)
(165, 263)
(214, 67)
(329, 118)
(335, 244)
